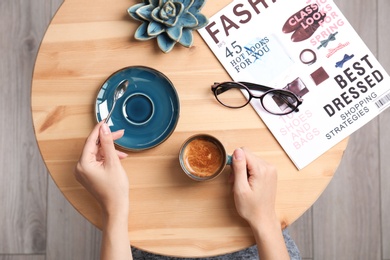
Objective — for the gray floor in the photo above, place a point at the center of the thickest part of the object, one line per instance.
(349, 221)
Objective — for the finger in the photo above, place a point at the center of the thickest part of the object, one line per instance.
(121, 155)
(239, 166)
(252, 161)
(100, 155)
(107, 144)
(90, 146)
(118, 134)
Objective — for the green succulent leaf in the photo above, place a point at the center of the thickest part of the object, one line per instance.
(197, 6)
(155, 28)
(186, 38)
(186, 3)
(133, 11)
(170, 21)
(202, 21)
(175, 32)
(188, 20)
(155, 14)
(155, 3)
(162, 2)
(168, 11)
(141, 33)
(165, 43)
(145, 12)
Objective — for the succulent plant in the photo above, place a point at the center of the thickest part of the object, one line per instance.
(170, 21)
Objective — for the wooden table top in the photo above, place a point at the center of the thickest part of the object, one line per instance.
(170, 214)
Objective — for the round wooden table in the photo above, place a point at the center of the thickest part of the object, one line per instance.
(170, 214)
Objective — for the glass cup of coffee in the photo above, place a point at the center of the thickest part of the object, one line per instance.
(203, 157)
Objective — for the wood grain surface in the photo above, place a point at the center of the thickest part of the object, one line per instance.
(70, 236)
(85, 43)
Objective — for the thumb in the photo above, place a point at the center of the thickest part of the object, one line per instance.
(107, 144)
(240, 170)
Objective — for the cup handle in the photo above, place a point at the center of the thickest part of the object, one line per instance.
(229, 160)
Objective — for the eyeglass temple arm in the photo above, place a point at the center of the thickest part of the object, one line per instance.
(254, 86)
(288, 103)
(249, 85)
(220, 90)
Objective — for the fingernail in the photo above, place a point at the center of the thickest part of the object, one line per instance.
(238, 154)
(105, 129)
(123, 154)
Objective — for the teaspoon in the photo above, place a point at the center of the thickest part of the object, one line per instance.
(119, 91)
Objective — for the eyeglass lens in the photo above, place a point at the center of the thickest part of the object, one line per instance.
(279, 102)
(231, 96)
(276, 101)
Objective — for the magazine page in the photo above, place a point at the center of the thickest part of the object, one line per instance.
(309, 48)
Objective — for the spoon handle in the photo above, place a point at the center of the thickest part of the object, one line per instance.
(109, 114)
(106, 120)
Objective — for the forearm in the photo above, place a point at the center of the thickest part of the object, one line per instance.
(270, 241)
(115, 241)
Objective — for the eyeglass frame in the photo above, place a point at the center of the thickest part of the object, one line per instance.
(248, 86)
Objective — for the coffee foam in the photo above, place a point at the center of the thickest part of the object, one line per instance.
(203, 157)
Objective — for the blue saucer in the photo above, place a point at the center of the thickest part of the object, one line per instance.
(148, 111)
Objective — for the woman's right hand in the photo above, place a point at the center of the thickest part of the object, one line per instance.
(254, 187)
(254, 191)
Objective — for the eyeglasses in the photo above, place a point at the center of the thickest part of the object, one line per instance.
(274, 101)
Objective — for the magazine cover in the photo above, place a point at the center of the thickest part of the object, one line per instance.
(309, 48)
